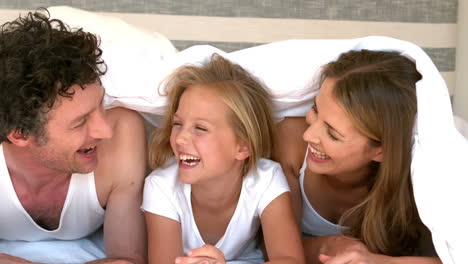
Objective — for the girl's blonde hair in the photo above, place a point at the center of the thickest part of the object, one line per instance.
(250, 103)
(377, 90)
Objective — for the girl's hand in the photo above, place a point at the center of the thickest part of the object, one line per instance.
(207, 254)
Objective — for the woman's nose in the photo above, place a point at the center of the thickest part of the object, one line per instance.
(311, 133)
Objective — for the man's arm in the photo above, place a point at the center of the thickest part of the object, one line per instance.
(120, 175)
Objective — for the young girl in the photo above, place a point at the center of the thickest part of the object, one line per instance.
(214, 186)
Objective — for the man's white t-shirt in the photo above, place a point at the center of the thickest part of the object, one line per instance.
(165, 195)
(81, 214)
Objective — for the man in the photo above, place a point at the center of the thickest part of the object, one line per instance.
(67, 166)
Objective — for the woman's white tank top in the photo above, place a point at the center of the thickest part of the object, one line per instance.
(314, 224)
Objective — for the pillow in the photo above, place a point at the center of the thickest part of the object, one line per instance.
(132, 56)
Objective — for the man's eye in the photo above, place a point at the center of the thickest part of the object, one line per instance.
(82, 122)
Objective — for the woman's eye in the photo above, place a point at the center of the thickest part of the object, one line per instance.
(331, 135)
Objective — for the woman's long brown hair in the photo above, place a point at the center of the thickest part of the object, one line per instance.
(377, 89)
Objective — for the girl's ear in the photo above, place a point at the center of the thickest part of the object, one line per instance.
(243, 152)
(18, 138)
(378, 156)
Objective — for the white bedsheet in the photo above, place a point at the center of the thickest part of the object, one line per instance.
(56, 251)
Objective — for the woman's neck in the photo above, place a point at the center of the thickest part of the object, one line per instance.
(359, 179)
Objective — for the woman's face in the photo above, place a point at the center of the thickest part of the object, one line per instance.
(335, 146)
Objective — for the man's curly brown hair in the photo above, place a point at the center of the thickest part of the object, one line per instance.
(40, 59)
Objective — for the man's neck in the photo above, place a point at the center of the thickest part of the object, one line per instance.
(22, 166)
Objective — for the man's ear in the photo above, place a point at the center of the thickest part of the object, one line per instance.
(18, 138)
(243, 152)
(378, 155)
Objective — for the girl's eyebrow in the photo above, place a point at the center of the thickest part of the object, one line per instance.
(198, 118)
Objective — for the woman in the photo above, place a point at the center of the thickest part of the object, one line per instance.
(355, 184)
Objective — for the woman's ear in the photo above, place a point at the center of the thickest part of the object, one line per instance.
(243, 152)
(18, 138)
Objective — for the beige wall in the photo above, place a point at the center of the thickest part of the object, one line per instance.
(460, 99)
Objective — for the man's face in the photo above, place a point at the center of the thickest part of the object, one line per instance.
(75, 127)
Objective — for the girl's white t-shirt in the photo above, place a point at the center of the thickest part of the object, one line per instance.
(165, 195)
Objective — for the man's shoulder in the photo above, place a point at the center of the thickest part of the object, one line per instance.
(128, 135)
(121, 119)
(122, 158)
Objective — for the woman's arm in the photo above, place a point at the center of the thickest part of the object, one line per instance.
(338, 249)
(370, 258)
(280, 232)
(164, 239)
(291, 153)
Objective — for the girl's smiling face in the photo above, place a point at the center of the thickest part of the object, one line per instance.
(202, 137)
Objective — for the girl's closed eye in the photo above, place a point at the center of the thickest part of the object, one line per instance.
(201, 128)
(176, 123)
